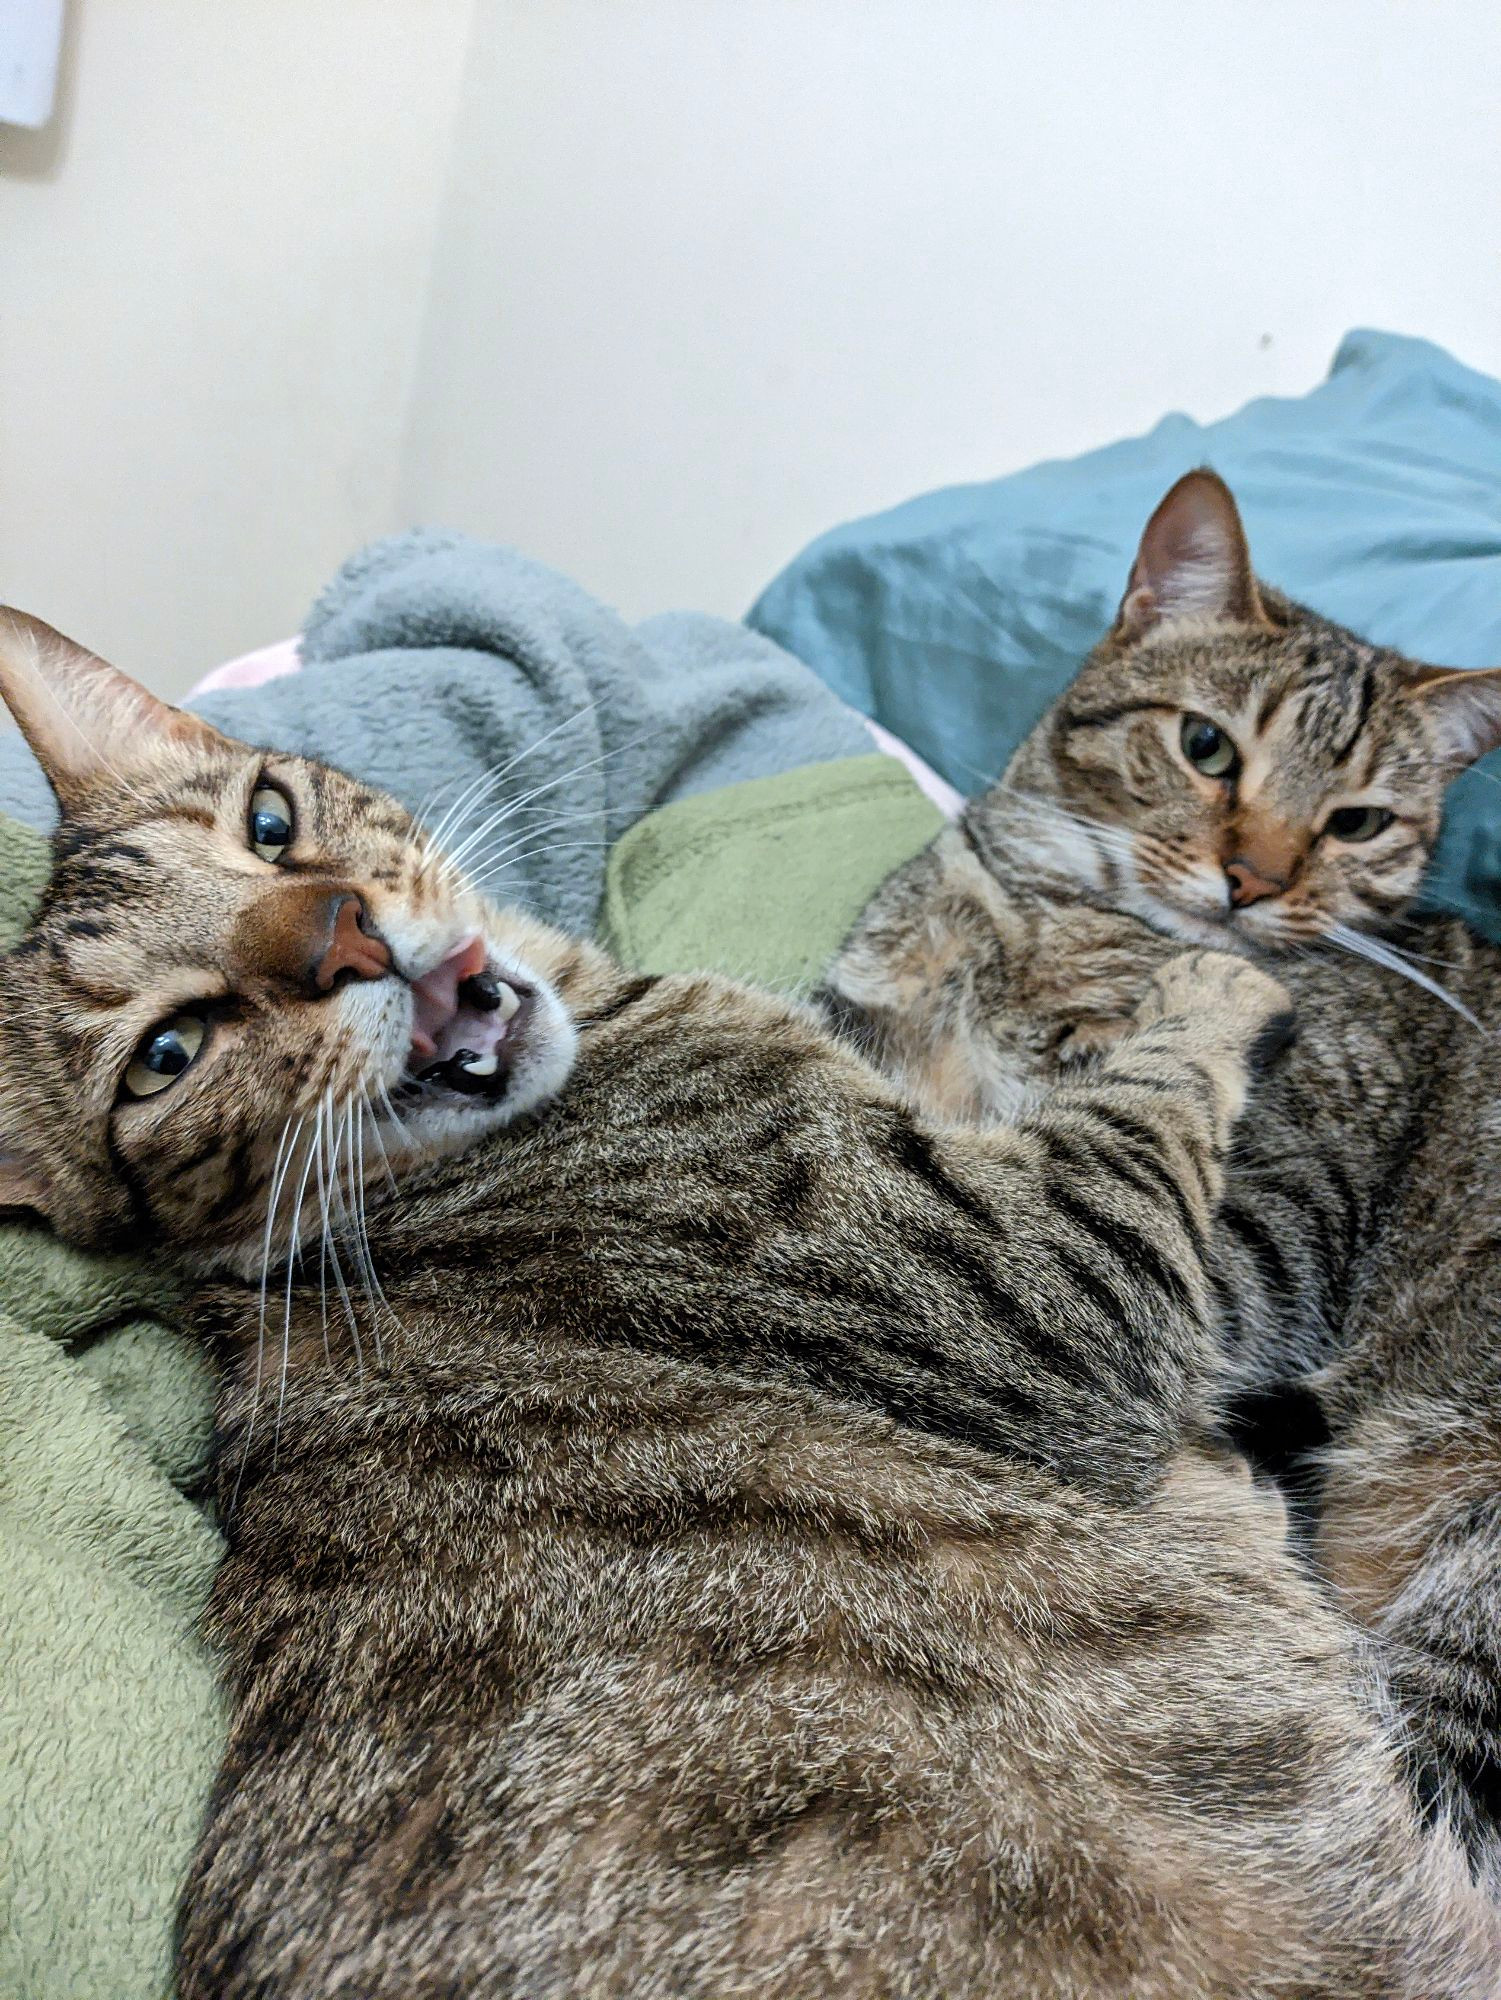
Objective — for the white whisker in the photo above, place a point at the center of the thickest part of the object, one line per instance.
(395, 1117)
(286, 1146)
(380, 1137)
(515, 805)
(294, 1257)
(1379, 952)
(373, 1286)
(486, 871)
(479, 792)
(331, 1232)
(493, 775)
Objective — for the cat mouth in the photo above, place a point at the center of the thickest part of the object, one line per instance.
(468, 1026)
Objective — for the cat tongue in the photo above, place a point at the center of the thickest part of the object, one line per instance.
(437, 1014)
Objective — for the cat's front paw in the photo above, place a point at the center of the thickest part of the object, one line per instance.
(1219, 990)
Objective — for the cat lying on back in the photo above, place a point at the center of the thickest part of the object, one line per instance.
(1232, 769)
(694, 1527)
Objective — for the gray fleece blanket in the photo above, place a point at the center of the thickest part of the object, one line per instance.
(457, 674)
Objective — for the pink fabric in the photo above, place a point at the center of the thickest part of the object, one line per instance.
(270, 662)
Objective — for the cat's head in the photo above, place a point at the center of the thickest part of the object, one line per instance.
(1226, 761)
(249, 979)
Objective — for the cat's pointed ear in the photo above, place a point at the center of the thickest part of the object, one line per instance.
(1463, 707)
(1193, 561)
(86, 721)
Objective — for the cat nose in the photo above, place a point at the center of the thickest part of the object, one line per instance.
(1246, 886)
(348, 945)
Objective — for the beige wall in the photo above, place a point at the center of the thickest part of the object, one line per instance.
(715, 274)
(661, 288)
(212, 269)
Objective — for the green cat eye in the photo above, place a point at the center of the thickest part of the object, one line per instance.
(270, 822)
(1358, 822)
(165, 1054)
(1208, 748)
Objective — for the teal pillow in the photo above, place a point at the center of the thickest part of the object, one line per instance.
(956, 618)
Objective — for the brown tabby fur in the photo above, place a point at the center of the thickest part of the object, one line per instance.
(763, 1542)
(1354, 1262)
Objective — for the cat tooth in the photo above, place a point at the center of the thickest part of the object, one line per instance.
(485, 1065)
(510, 1000)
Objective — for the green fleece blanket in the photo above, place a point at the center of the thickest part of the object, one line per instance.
(109, 1717)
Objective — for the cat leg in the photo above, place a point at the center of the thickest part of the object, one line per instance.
(1106, 1195)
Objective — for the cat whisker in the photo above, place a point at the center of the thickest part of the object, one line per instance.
(396, 1120)
(506, 841)
(489, 778)
(379, 1136)
(285, 1148)
(1037, 818)
(361, 1228)
(515, 805)
(448, 862)
(294, 1258)
(333, 1226)
(323, 1239)
(1043, 813)
(488, 870)
(1392, 960)
(1035, 804)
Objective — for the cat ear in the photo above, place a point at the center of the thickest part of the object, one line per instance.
(1193, 561)
(86, 721)
(1463, 704)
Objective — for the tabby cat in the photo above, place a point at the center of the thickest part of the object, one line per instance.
(1233, 769)
(694, 1527)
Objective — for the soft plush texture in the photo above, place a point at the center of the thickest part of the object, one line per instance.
(432, 659)
(956, 618)
(763, 880)
(108, 1709)
(269, 663)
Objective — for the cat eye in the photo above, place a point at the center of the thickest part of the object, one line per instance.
(1358, 822)
(165, 1054)
(270, 822)
(1208, 748)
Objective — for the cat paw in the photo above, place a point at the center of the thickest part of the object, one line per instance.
(1222, 991)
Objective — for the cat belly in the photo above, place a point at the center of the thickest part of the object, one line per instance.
(859, 1716)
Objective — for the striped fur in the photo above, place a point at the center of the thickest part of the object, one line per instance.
(1354, 1259)
(758, 1538)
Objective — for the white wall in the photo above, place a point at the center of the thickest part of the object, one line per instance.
(212, 268)
(714, 274)
(660, 288)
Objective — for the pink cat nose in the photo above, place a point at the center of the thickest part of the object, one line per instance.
(349, 946)
(1246, 886)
